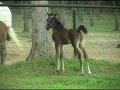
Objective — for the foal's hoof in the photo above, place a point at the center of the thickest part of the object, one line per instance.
(89, 73)
(82, 74)
(58, 72)
(62, 71)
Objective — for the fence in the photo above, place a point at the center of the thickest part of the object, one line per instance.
(58, 5)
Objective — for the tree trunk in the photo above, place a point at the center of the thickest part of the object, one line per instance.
(97, 10)
(60, 11)
(117, 22)
(80, 12)
(91, 17)
(92, 14)
(41, 46)
(26, 20)
(117, 27)
(27, 16)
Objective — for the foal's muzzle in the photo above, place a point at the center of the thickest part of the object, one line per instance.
(47, 28)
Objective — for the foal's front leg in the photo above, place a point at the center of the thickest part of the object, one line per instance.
(57, 48)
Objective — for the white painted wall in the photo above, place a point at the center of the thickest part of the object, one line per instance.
(6, 15)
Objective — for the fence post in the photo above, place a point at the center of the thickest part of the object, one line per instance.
(74, 18)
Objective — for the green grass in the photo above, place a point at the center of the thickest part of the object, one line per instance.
(18, 26)
(17, 22)
(106, 23)
(36, 74)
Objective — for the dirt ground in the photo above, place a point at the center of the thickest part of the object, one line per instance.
(99, 46)
(15, 53)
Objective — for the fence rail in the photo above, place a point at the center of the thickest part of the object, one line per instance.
(63, 5)
(58, 5)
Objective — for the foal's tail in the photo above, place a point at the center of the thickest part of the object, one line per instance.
(8, 37)
(83, 29)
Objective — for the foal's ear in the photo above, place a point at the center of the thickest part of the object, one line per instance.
(48, 14)
(55, 14)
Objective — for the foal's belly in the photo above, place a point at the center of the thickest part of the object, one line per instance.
(63, 39)
(66, 41)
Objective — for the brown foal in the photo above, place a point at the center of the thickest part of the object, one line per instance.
(62, 36)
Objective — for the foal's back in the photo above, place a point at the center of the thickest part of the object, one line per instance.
(76, 35)
(65, 36)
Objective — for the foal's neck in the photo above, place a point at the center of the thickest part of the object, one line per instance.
(58, 26)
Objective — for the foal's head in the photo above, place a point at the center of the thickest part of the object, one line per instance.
(51, 20)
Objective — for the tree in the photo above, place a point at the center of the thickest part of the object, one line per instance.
(117, 22)
(60, 11)
(41, 46)
(26, 20)
(97, 10)
(91, 14)
(27, 17)
(80, 12)
(117, 25)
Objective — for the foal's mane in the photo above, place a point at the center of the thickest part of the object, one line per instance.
(58, 24)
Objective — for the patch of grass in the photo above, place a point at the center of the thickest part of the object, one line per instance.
(24, 35)
(36, 74)
(18, 26)
(17, 22)
(106, 23)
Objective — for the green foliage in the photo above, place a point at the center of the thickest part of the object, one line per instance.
(37, 74)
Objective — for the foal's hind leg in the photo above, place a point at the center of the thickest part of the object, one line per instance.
(81, 45)
(76, 49)
(75, 52)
